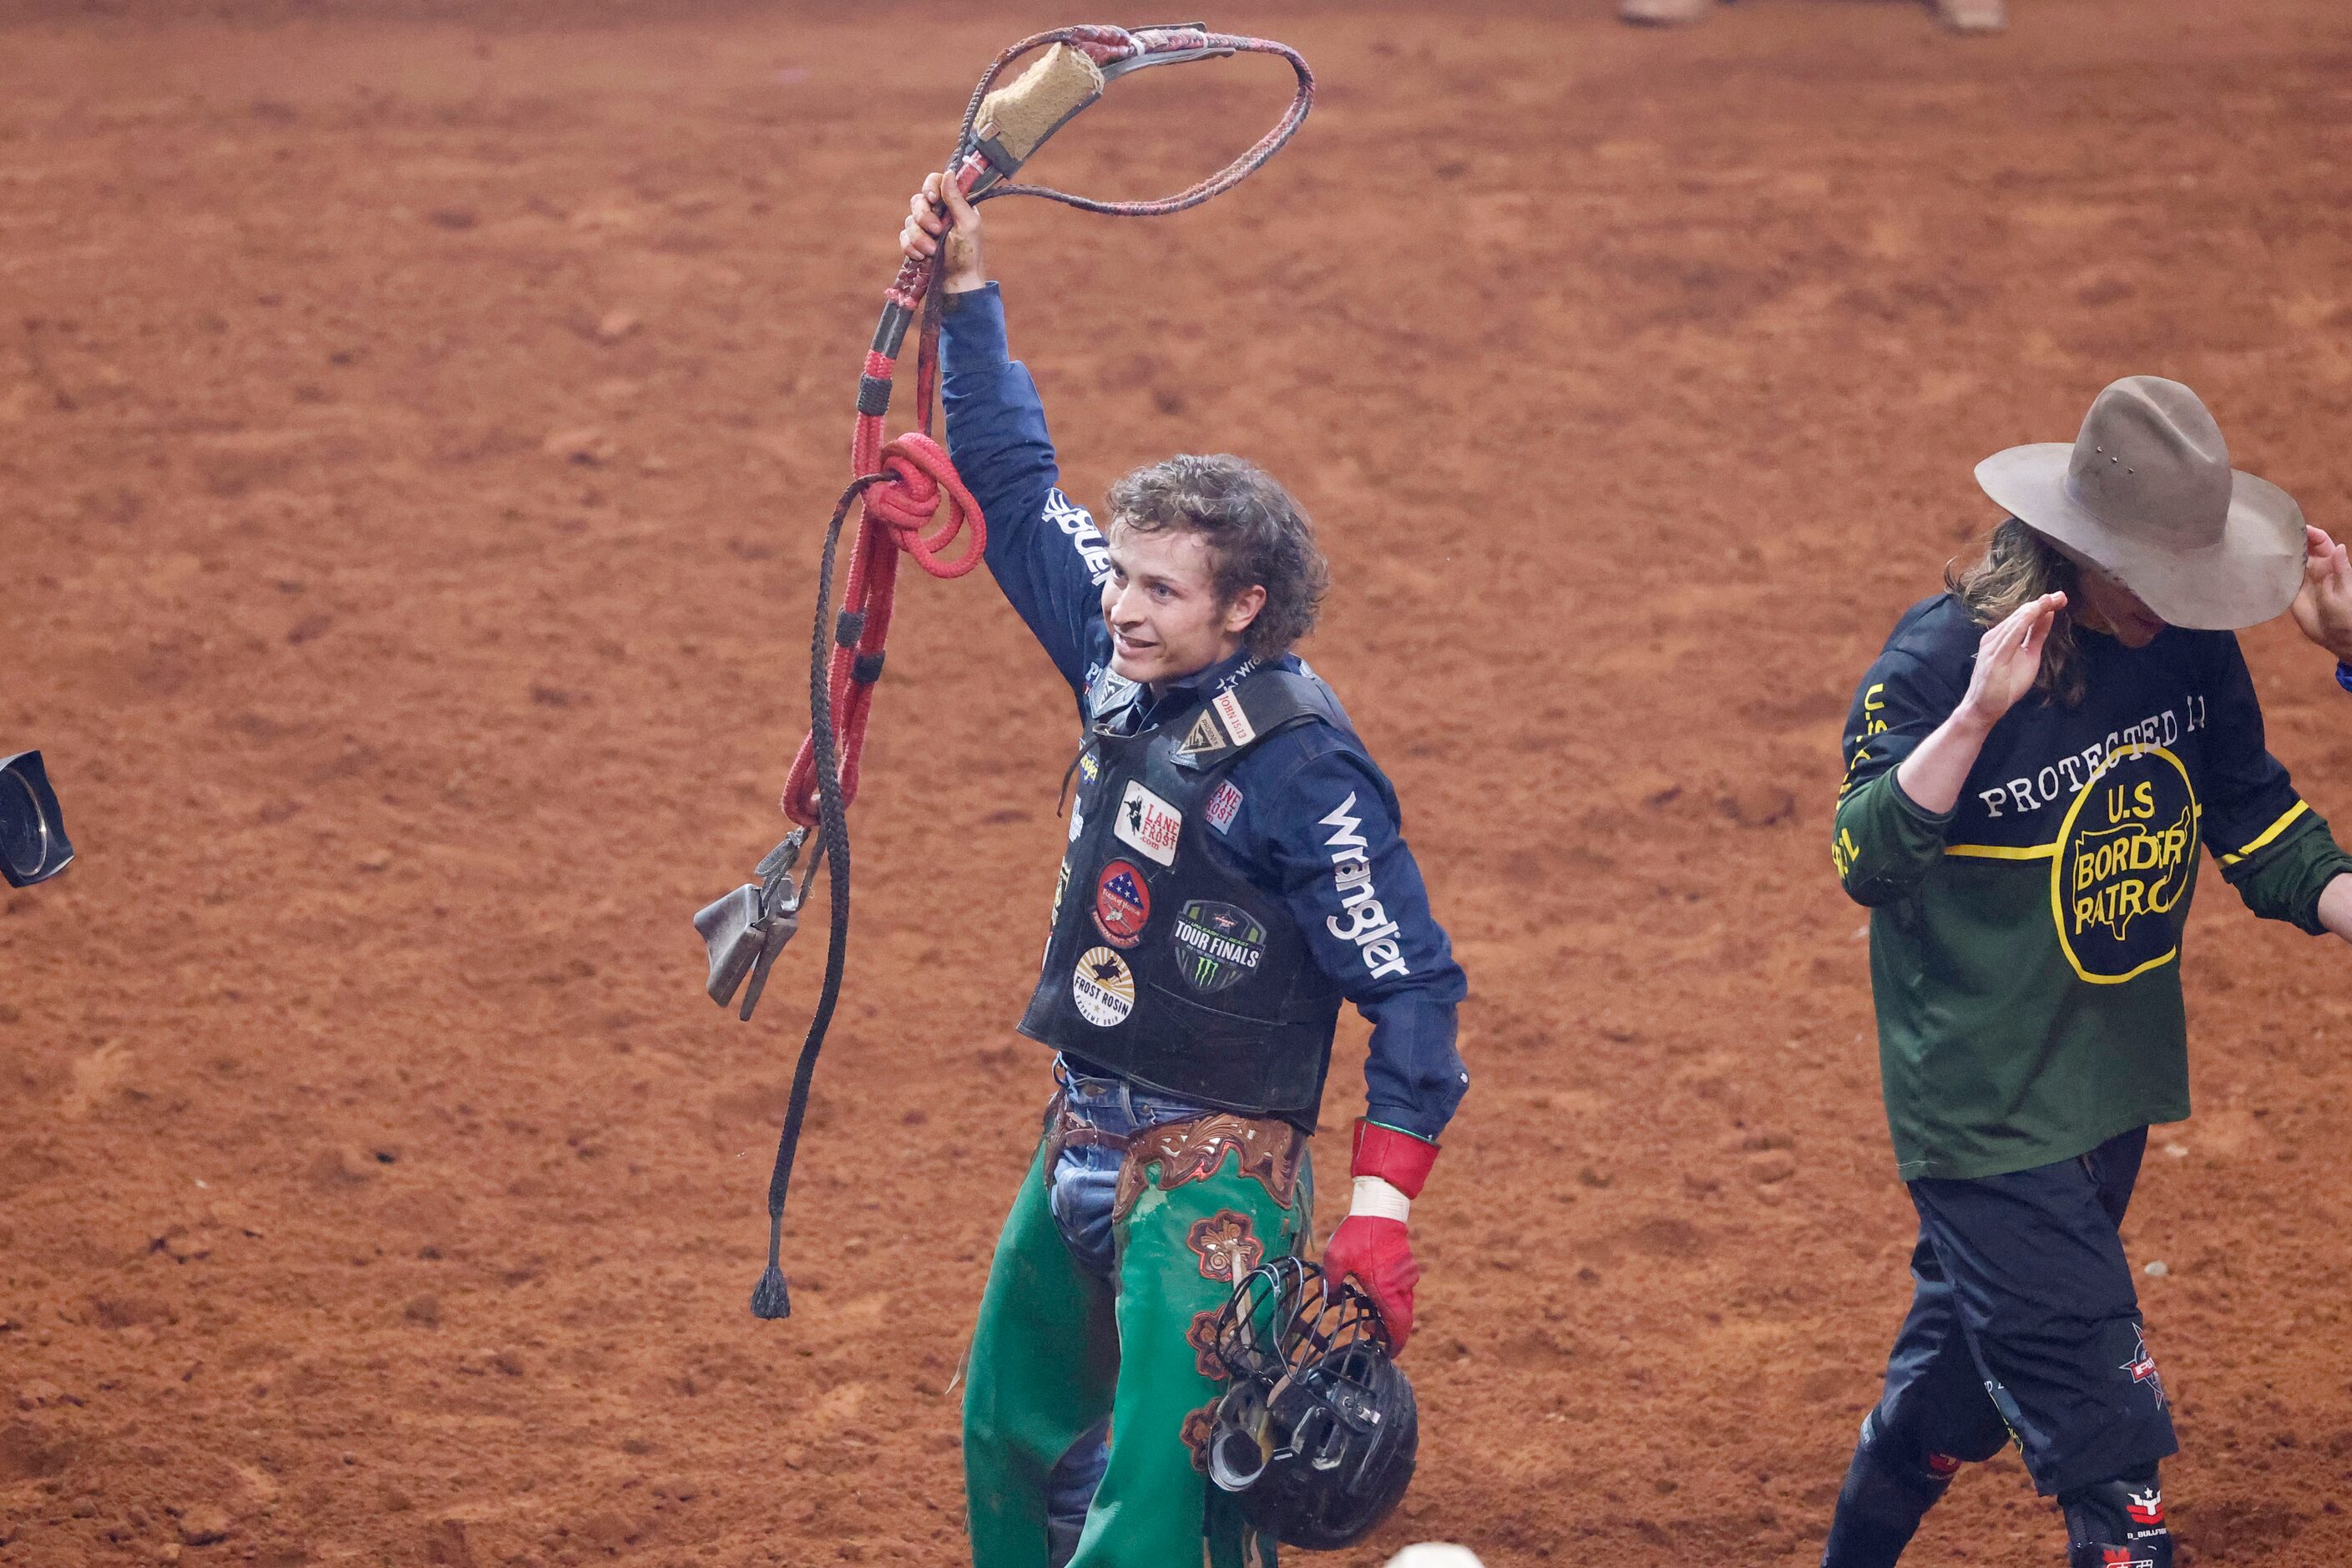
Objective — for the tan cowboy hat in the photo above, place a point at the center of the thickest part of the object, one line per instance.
(2146, 492)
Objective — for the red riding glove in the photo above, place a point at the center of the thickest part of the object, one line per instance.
(1370, 1245)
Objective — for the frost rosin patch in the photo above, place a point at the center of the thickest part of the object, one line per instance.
(1103, 987)
(2126, 858)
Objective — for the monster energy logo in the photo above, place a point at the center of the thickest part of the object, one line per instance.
(1217, 945)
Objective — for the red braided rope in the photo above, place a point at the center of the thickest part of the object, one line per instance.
(915, 475)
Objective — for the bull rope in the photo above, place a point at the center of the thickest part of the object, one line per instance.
(901, 485)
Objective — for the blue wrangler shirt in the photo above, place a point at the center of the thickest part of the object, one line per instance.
(1307, 794)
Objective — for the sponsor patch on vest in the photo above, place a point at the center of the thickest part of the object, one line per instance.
(2126, 856)
(1237, 725)
(1148, 823)
(1107, 689)
(1224, 805)
(1217, 945)
(1122, 904)
(1204, 736)
(1103, 987)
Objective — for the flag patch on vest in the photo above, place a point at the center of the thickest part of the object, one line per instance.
(1103, 987)
(1149, 823)
(1217, 945)
(1122, 904)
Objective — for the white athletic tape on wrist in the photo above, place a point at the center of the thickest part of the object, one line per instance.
(1378, 1198)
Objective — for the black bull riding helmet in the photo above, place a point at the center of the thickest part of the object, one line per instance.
(33, 842)
(1318, 1434)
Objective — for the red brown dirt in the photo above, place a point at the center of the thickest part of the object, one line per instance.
(413, 428)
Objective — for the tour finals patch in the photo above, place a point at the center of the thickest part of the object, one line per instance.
(1122, 904)
(1105, 988)
(2126, 858)
(1217, 945)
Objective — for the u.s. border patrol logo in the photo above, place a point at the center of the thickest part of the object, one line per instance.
(2127, 857)
(1217, 945)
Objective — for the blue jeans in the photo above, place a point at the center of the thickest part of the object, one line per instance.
(1084, 1182)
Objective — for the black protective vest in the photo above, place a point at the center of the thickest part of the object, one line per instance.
(1164, 965)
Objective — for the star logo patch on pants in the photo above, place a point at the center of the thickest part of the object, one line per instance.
(2142, 1367)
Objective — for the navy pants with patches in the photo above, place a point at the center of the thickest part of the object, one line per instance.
(2024, 1321)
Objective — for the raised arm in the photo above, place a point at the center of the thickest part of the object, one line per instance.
(1043, 550)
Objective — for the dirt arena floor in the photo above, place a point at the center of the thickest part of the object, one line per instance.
(415, 422)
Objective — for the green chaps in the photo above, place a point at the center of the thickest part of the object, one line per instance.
(1201, 1203)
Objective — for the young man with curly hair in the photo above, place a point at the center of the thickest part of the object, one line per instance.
(1235, 870)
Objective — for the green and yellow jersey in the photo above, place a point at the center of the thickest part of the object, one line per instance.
(2025, 946)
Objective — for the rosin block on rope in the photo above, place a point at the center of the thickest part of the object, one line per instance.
(1020, 117)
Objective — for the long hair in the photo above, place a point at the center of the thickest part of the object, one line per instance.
(1257, 535)
(2019, 566)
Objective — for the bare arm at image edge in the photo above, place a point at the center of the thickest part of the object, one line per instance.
(2335, 906)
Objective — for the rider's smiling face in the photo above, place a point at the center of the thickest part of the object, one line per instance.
(1162, 606)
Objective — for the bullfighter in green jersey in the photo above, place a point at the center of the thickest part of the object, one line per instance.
(2032, 763)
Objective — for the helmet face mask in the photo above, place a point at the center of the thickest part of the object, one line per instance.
(1317, 1436)
(1237, 1453)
